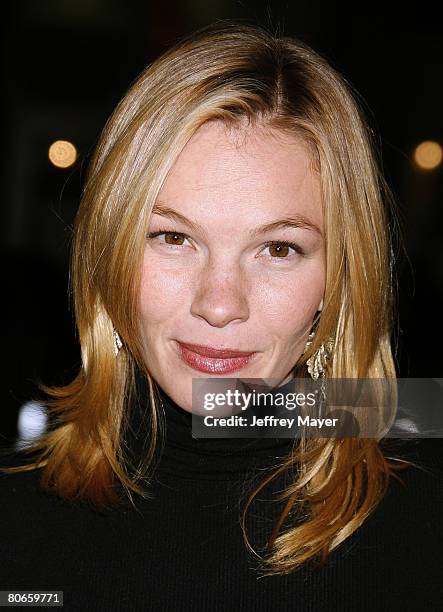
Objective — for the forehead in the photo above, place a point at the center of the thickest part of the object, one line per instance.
(246, 172)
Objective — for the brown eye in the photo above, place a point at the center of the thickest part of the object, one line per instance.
(171, 238)
(279, 250)
(174, 238)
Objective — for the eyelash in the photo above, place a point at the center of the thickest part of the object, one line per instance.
(292, 245)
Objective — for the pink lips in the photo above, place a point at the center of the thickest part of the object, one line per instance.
(212, 360)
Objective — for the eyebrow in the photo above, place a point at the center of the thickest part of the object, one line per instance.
(293, 221)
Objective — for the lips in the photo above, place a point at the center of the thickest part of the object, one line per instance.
(212, 360)
(209, 351)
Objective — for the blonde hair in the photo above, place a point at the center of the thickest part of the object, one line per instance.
(234, 73)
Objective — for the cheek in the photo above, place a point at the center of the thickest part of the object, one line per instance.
(161, 292)
(289, 302)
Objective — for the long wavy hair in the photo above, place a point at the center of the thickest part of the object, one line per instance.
(242, 75)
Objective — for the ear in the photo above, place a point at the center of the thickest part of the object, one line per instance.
(320, 307)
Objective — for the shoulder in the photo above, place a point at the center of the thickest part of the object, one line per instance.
(17, 487)
(29, 513)
(425, 455)
(23, 499)
(415, 495)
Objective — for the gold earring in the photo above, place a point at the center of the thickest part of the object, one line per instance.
(117, 342)
(317, 362)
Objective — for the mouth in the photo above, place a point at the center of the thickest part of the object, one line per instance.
(214, 360)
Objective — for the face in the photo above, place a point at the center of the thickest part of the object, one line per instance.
(214, 276)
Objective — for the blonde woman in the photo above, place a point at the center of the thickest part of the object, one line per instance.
(234, 223)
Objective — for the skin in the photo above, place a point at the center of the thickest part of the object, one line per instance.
(222, 288)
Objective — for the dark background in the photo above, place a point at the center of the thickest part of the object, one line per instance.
(67, 64)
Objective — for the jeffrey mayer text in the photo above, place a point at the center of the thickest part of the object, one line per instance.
(268, 421)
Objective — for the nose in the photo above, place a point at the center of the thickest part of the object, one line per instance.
(221, 295)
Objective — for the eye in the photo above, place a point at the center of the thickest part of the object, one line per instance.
(278, 249)
(171, 238)
(281, 249)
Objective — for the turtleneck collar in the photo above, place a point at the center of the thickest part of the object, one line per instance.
(184, 456)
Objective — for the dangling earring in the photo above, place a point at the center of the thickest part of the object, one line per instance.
(317, 362)
(317, 366)
(117, 342)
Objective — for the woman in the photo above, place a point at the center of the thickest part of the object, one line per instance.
(234, 201)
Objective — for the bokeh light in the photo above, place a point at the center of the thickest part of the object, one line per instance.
(32, 422)
(428, 155)
(62, 153)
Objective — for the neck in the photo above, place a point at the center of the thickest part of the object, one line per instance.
(184, 456)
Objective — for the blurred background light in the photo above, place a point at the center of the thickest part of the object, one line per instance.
(62, 153)
(428, 155)
(31, 423)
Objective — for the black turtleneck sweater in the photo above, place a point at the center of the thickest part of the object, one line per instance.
(183, 549)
